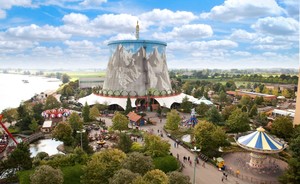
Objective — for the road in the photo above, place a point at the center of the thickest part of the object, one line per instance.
(207, 175)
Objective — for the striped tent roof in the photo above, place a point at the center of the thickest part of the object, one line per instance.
(259, 141)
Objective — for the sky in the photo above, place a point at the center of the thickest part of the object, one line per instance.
(73, 34)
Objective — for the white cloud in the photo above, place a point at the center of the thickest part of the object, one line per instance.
(292, 8)
(241, 53)
(79, 44)
(37, 33)
(75, 18)
(115, 22)
(242, 35)
(264, 40)
(2, 14)
(92, 2)
(51, 52)
(272, 47)
(7, 4)
(202, 45)
(120, 36)
(277, 26)
(167, 18)
(233, 10)
(16, 46)
(190, 31)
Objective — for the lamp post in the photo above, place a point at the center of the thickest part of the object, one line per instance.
(80, 132)
(195, 162)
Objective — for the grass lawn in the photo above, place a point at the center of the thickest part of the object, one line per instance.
(71, 175)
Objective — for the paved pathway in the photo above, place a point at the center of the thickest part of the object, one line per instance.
(207, 175)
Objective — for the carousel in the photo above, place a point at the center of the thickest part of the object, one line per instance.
(56, 113)
(260, 144)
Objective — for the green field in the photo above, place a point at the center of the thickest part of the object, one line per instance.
(76, 75)
(222, 81)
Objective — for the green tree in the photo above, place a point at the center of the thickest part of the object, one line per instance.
(124, 143)
(275, 92)
(10, 115)
(37, 110)
(227, 111)
(34, 126)
(65, 78)
(128, 105)
(246, 100)
(24, 119)
(20, 157)
(86, 113)
(176, 177)
(155, 146)
(205, 135)
(173, 120)
(261, 119)
(120, 122)
(238, 121)
(282, 127)
(258, 100)
(47, 174)
(94, 113)
(63, 132)
(201, 109)
(138, 147)
(138, 163)
(51, 103)
(102, 166)
(286, 93)
(230, 85)
(223, 98)
(156, 177)
(186, 105)
(75, 122)
(166, 164)
(123, 176)
(213, 115)
(67, 91)
(244, 108)
(253, 111)
(292, 174)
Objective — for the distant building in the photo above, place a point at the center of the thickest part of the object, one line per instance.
(47, 126)
(251, 94)
(281, 87)
(91, 82)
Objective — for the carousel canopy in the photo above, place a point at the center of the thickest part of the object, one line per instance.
(259, 141)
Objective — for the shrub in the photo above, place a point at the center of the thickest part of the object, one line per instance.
(166, 164)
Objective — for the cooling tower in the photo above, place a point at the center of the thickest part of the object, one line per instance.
(137, 66)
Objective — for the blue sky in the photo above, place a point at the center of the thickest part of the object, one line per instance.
(200, 33)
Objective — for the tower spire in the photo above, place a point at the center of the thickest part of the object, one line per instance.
(137, 30)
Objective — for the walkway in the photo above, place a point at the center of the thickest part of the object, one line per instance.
(207, 175)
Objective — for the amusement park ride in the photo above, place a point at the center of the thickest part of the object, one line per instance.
(6, 130)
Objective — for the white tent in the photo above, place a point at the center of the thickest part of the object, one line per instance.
(165, 101)
(203, 100)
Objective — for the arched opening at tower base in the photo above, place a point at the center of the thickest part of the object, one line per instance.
(115, 107)
(175, 105)
(143, 104)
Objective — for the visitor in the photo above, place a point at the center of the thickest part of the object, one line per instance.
(237, 173)
(177, 156)
(203, 165)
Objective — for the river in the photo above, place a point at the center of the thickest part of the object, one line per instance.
(16, 88)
